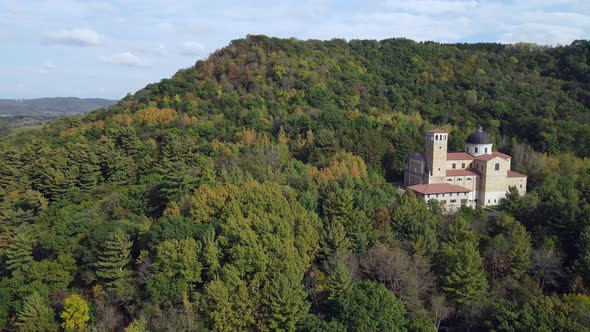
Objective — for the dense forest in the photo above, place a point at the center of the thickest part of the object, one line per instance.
(256, 191)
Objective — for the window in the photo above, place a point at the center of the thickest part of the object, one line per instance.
(476, 149)
(454, 165)
(443, 202)
(488, 201)
(497, 167)
(462, 165)
(486, 150)
(453, 201)
(436, 137)
(449, 179)
(521, 185)
(470, 165)
(468, 179)
(459, 179)
(463, 201)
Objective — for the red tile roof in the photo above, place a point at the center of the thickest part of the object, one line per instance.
(460, 155)
(438, 188)
(487, 157)
(513, 174)
(462, 172)
(438, 131)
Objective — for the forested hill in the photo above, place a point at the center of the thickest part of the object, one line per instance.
(537, 94)
(253, 192)
(52, 106)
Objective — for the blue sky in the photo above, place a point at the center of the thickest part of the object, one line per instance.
(110, 48)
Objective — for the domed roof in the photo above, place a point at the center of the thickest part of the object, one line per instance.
(479, 137)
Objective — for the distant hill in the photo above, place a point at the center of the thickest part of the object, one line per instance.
(52, 106)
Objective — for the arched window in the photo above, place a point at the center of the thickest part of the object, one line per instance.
(436, 137)
(476, 149)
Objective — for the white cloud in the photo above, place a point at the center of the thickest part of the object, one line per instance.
(75, 37)
(190, 48)
(125, 59)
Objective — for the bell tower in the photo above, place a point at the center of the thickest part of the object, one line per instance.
(436, 153)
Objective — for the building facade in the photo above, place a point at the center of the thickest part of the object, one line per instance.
(475, 176)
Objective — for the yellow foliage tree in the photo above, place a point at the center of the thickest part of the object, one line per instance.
(122, 119)
(153, 116)
(76, 313)
(343, 163)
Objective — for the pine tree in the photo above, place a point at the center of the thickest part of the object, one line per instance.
(115, 166)
(336, 202)
(36, 315)
(286, 302)
(115, 257)
(9, 171)
(413, 222)
(460, 231)
(19, 253)
(52, 176)
(520, 252)
(334, 238)
(462, 276)
(177, 180)
(339, 281)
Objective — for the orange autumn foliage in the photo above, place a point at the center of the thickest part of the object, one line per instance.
(68, 132)
(343, 163)
(186, 120)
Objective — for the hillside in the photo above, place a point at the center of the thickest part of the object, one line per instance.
(52, 106)
(253, 191)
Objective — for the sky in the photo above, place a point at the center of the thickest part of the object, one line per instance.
(106, 49)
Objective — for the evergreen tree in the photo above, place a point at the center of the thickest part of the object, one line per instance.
(334, 238)
(36, 315)
(19, 253)
(114, 257)
(286, 302)
(336, 202)
(520, 252)
(462, 276)
(339, 281)
(414, 224)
